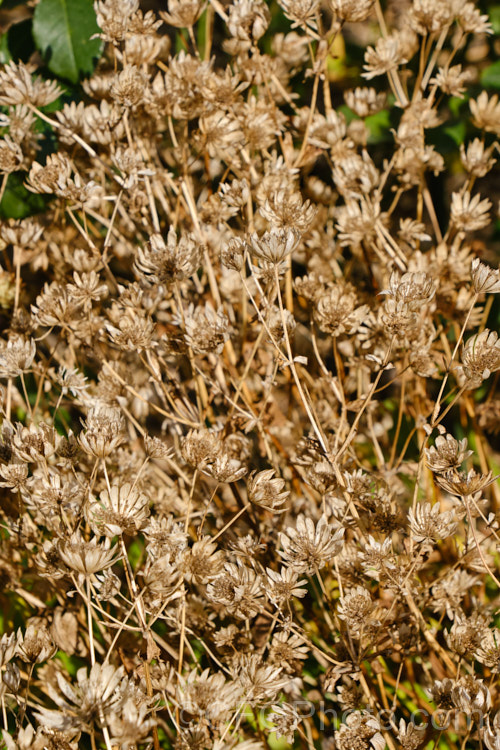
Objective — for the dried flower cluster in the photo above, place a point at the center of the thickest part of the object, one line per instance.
(249, 385)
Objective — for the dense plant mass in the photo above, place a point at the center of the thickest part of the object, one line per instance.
(249, 361)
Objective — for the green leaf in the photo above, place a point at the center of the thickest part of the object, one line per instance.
(494, 14)
(456, 132)
(379, 126)
(5, 55)
(62, 31)
(17, 202)
(490, 77)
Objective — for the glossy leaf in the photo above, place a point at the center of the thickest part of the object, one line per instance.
(62, 30)
(490, 77)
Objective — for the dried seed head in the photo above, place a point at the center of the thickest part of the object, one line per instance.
(16, 357)
(266, 490)
(122, 510)
(36, 644)
(428, 525)
(114, 18)
(351, 11)
(232, 253)
(452, 81)
(471, 696)
(486, 113)
(447, 453)
(387, 55)
(207, 330)
(248, 19)
(165, 263)
(275, 245)
(469, 214)
(11, 156)
(355, 608)
(485, 279)
(303, 13)
(309, 547)
(480, 357)
(288, 651)
(225, 468)
(430, 16)
(365, 101)
(201, 447)
(129, 86)
(285, 720)
(18, 87)
(410, 735)
(467, 633)
(202, 562)
(183, 13)
(462, 484)
(85, 557)
(488, 649)
(15, 476)
(360, 732)
(336, 312)
(103, 431)
(471, 21)
(34, 443)
(282, 586)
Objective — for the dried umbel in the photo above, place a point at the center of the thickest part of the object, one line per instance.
(246, 442)
(413, 289)
(469, 213)
(266, 490)
(285, 720)
(183, 13)
(471, 696)
(85, 703)
(351, 11)
(274, 246)
(355, 608)
(170, 261)
(488, 649)
(201, 447)
(208, 696)
(36, 644)
(202, 562)
(452, 80)
(428, 524)
(486, 113)
(462, 484)
(337, 312)
(260, 682)
(360, 730)
(239, 589)
(85, 557)
(447, 453)
(16, 357)
(103, 431)
(34, 443)
(387, 55)
(486, 280)
(283, 586)
(207, 330)
(480, 357)
(309, 547)
(121, 510)
(18, 87)
(365, 101)
(11, 156)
